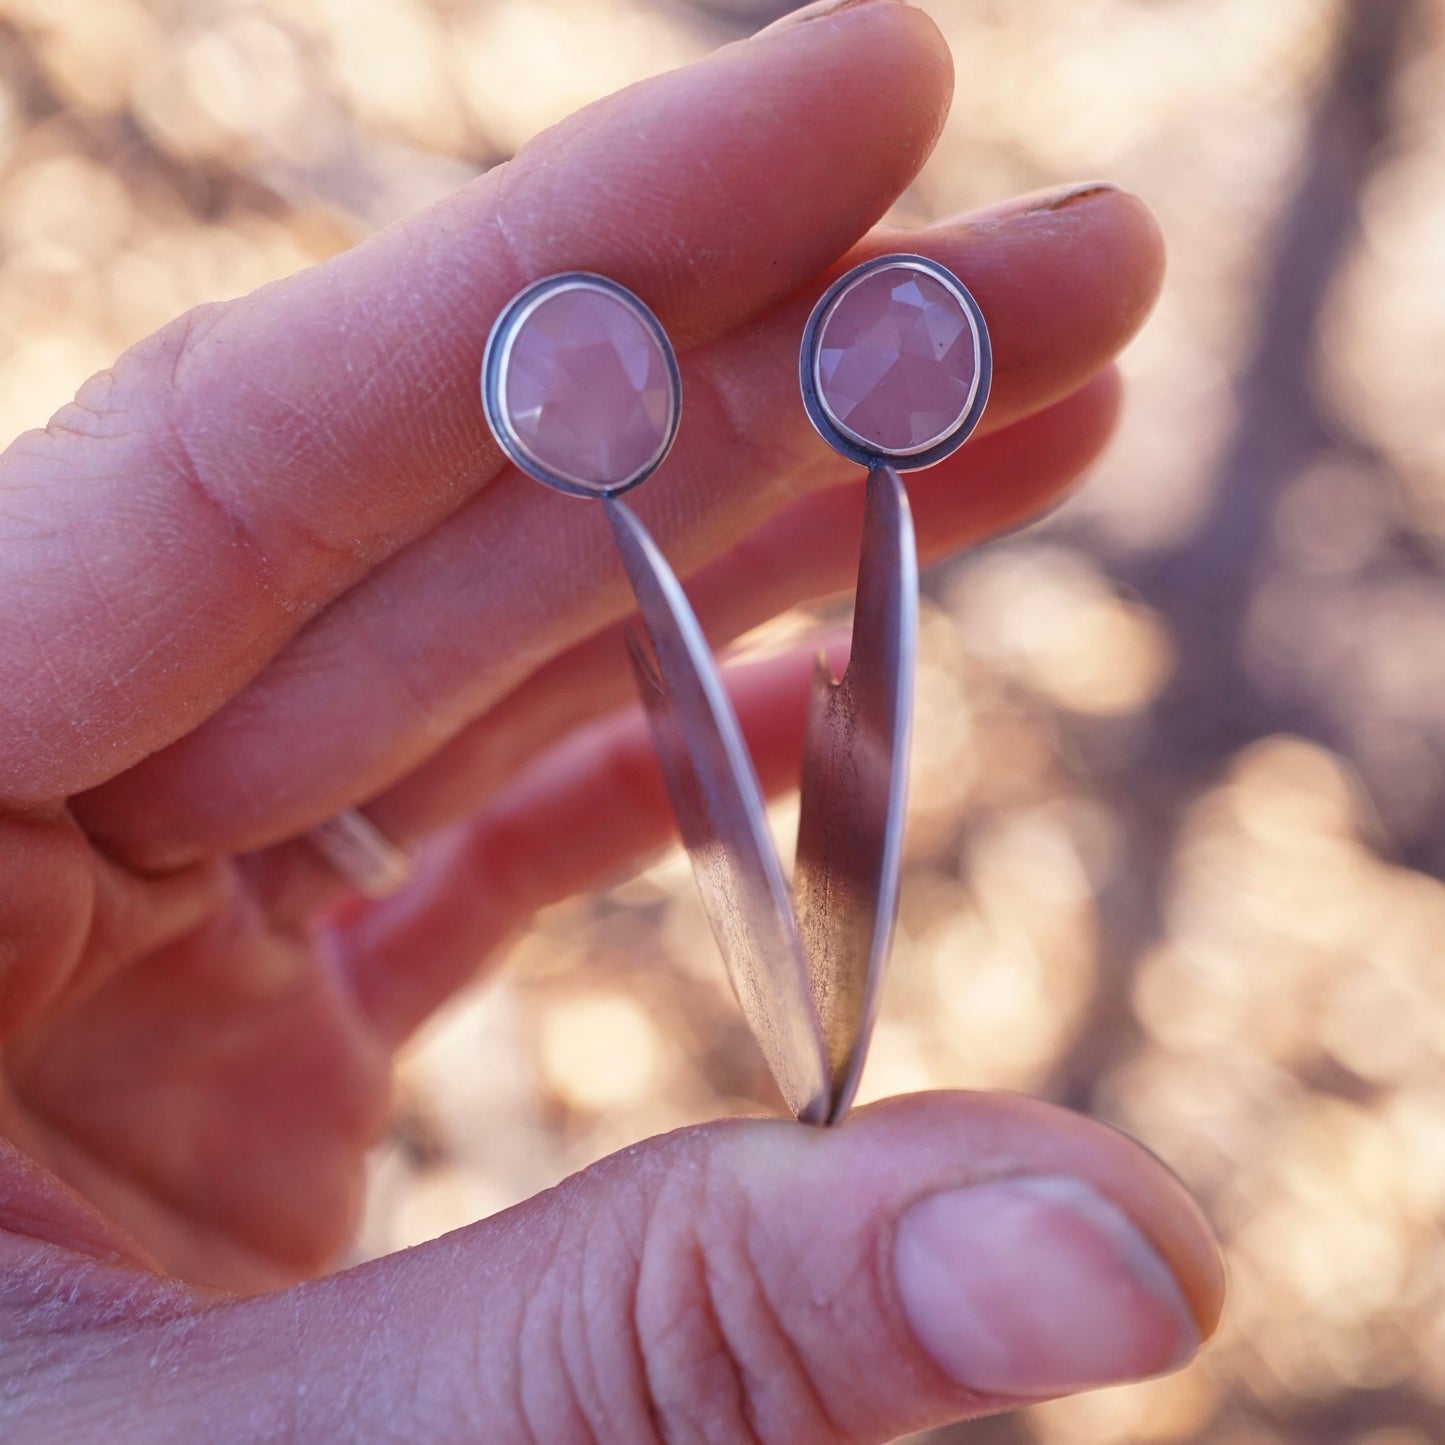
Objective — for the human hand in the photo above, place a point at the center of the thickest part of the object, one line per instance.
(271, 566)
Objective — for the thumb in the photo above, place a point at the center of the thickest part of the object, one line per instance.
(938, 1257)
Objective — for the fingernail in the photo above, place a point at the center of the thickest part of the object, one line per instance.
(1035, 1287)
(1056, 198)
(815, 11)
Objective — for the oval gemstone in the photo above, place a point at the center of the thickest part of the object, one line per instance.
(897, 361)
(586, 389)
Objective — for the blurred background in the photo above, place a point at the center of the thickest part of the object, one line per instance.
(1179, 803)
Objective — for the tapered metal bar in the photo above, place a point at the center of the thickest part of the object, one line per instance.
(720, 812)
(850, 834)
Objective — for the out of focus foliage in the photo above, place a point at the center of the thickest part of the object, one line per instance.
(1180, 779)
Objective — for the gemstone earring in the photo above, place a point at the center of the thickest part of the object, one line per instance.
(580, 385)
(895, 367)
(582, 390)
(896, 363)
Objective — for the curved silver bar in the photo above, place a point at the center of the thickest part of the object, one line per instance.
(855, 792)
(807, 966)
(721, 815)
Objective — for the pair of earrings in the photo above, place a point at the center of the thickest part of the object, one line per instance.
(582, 390)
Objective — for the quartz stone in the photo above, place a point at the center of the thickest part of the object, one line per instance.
(896, 361)
(586, 388)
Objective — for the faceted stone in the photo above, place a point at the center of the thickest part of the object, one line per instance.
(586, 390)
(896, 360)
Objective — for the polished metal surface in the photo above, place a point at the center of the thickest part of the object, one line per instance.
(807, 975)
(723, 821)
(855, 778)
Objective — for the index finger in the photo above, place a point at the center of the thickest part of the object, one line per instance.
(232, 475)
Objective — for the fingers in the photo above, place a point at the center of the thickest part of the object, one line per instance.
(237, 472)
(439, 634)
(215, 1102)
(938, 1257)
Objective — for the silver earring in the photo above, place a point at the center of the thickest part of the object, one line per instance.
(582, 390)
(895, 368)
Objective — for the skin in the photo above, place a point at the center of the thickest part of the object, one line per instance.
(271, 565)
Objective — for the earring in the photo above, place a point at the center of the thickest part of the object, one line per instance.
(895, 367)
(581, 389)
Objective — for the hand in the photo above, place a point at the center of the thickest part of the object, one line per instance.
(271, 566)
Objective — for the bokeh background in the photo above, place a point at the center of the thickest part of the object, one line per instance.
(1179, 800)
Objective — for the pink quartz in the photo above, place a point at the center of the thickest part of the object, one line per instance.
(896, 360)
(586, 388)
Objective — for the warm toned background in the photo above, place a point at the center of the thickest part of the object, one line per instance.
(1180, 779)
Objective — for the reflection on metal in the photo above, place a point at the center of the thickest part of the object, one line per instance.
(855, 775)
(362, 855)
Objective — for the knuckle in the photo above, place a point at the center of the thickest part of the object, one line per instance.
(152, 416)
(128, 421)
(717, 1358)
(656, 1322)
(178, 348)
(198, 455)
(113, 403)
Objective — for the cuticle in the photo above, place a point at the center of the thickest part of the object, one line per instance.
(1073, 197)
(833, 10)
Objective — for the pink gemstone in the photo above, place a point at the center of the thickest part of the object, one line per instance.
(586, 389)
(897, 360)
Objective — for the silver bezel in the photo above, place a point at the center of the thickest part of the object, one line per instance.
(494, 371)
(837, 433)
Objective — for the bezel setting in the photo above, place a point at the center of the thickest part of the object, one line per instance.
(497, 357)
(834, 430)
